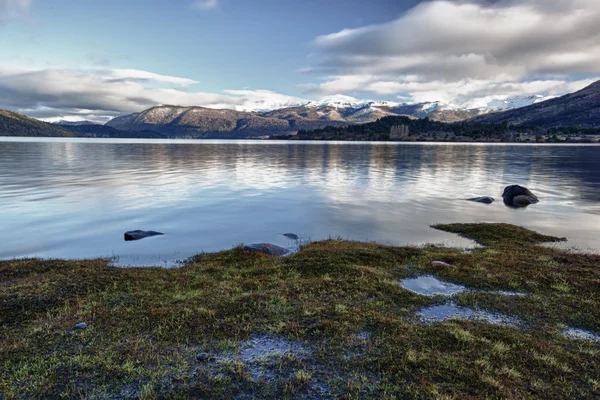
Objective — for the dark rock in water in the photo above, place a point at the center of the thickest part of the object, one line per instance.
(137, 235)
(267, 248)
(292, 236)
(82, 325)
(483, 200)
(518, 196)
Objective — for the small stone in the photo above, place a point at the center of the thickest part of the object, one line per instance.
(82, 325)
(482, 200)
(267, 248)
(203, 357)
(441, 264)
(137, 235)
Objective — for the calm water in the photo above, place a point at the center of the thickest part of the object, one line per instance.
(74, 198)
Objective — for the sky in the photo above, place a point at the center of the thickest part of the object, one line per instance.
(94, 60)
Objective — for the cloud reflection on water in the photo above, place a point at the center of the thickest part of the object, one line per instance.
(75, 198)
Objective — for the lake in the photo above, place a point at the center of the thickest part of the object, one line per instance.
(75, 198)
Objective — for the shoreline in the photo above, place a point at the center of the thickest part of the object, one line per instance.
(335, 319)
(279, 141)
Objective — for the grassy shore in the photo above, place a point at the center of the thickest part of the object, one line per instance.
(330, 321)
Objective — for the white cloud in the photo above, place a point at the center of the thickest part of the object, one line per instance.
(99, 94)
(11, 9)
(254, 100)
(205, 4)
(456, 49)
(144, 76)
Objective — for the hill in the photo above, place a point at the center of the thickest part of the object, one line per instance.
(103, 131)
(580, 109)
(13, 124)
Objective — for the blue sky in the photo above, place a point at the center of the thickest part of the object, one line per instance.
(76, 59)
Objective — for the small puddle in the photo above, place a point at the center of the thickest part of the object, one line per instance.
(508, 293)
(574, 333)
(261, 355)
(262, 347)
(452, 311)
(431, 286)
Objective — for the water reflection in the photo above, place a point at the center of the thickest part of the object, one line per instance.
(75, 198)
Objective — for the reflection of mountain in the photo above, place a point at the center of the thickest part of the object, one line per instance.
(75, 198)
(403, 171)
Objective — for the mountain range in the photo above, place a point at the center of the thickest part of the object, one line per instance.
(577, 109)
(201, 122)
(581, 109)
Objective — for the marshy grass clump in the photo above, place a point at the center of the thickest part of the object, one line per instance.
(332, 321)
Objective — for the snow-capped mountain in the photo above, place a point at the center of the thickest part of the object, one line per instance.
(64, 122)
(503, 103)
(341, 101)
(336, 110)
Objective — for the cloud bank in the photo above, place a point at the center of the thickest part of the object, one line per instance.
(455, 50)
(100, 94)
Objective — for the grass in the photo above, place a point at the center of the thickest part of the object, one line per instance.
(338, 301)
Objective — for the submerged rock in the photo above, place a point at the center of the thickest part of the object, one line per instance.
(137, 235)
(266, 248)
(519, 196)
(292, 236)
(482, 200)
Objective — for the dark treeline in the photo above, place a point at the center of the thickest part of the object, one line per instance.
(426, 129)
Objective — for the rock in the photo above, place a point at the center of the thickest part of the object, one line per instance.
(203, 357)
(82, 325)
(266, 248)
(292, 236)
(441, 264)
(137, 235)
(483, 200)
(518, 196)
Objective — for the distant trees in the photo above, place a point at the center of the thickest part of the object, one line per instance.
(407, 128)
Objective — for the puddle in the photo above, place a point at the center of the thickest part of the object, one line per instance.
(262, 347)
(574, 333)
(261, 355)
(431, 286)
(508, 293)
(452, 311)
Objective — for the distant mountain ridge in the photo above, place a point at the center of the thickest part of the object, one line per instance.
(202, 122)
(74, 123)
(13, 124)
(577, 109)
(581, 109)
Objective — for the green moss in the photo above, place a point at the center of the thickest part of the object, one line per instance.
(339, 301)
(498, 234)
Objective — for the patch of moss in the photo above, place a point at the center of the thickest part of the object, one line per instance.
(341, 301)
(498, 234)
